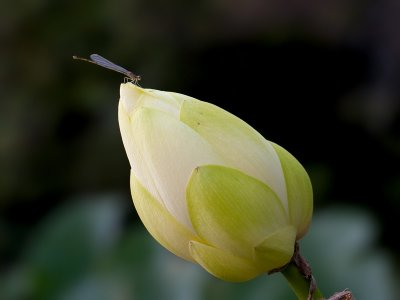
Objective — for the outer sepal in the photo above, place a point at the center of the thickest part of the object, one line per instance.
(231, 210)
(223, 264)
(276, 250)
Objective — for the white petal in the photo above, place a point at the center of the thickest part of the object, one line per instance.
(126, 132)
(165, 152)
(132, 97)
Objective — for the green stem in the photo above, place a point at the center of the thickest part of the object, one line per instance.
(299, 283)
(299, 275)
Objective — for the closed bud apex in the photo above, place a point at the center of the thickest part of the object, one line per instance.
(210, 188)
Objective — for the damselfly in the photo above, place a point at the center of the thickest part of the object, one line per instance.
(105, 63)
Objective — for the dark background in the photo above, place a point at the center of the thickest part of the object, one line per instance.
(320, 78)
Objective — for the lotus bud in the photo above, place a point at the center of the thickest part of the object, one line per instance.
(210, 188)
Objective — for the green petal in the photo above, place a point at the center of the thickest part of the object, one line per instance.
(276, 250)
(299, 190)
(223, 264)
(165, 151)
(160, 223)
(232, 210)
(237, 142)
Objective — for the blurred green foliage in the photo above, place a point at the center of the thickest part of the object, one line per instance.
(329, 72)
(82, 251)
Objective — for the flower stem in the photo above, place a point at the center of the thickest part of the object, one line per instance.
(299, 275)
(300, 284)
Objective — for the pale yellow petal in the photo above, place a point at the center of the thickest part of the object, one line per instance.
(238, 143)
(160, 223)
(299, 189)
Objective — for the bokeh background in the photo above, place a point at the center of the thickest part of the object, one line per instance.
(320, 78)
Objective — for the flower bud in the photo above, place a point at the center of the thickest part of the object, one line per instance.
(210, 188)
